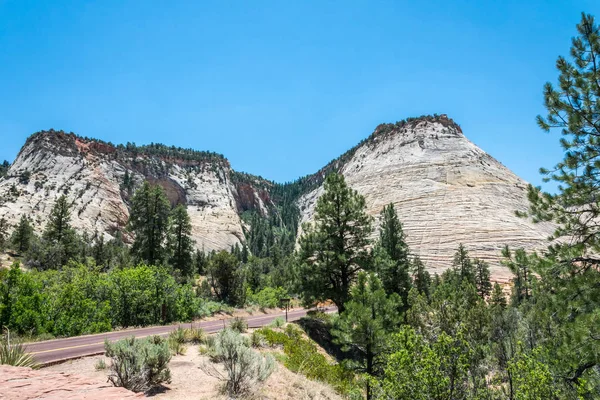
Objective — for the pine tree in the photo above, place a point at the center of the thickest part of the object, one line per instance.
(180, 243)
(498, 299)
(395, 274)
(519, 264)
(4, 227)
(22, 235)
(482, 278)
(569, 275)
(59, 223)
(462, 265)
(61, 243)
(421, 277)
(200, 262)
(148, 220)
(226, 278)
(332, 252)
(364, 326)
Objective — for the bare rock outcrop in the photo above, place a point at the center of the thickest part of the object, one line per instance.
(446, 191)
(20, 383)
(92, 176)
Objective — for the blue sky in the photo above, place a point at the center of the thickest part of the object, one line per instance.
(282, 87)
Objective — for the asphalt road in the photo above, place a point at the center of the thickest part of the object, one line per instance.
(58, 350)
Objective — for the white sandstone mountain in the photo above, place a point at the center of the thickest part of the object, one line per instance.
(446, 190)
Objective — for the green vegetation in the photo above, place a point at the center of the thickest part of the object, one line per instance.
(244, 367)
(139, 364)
(302, 356)
(239, 325)
(400, 334)
(4, 168)
(13, 353)
(333, 250)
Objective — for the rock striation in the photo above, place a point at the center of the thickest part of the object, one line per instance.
(446, 191)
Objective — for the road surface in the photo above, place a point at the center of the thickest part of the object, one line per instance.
(58, 350)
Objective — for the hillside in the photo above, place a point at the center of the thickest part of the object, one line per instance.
(447, 191)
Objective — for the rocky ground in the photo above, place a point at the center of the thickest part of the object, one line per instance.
(190, 382)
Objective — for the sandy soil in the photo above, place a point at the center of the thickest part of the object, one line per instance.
(190, 382)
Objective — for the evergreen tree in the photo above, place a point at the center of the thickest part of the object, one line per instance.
(148, 220)
(421, 277)
(519, 264)
(180, 243)
(200, 262)
(463, 266)
(568, 298)
(395, 274)
(4, 168)
(60, 243)
(22, 235)
(4, 227)
(226, 278)
(482, 278)
(498, 299)
(332, 252)
(365, 325)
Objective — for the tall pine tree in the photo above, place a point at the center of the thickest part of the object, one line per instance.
(180, 242)
(149, 221)
(394, 273)
(333, 250)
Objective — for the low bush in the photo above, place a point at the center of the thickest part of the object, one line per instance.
(244, 367)
(239, 324)
(100, 365)
(195, 335)
(257, 339)
(139, 364)
(177, 341)
(277, 322)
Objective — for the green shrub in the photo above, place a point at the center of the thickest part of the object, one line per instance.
(257, 339)
(139, 364)
(177, 341)
(244, 367)
(277, 322)
(268, 297)
(13, 353)
(100, 365)
(239, 324)
(195, 335)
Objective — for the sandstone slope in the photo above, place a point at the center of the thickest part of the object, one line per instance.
(446, 191)
(92, 175)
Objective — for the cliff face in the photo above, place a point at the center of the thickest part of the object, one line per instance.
(99, 179)
(446, 191)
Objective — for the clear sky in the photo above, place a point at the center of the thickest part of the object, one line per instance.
(282, 87)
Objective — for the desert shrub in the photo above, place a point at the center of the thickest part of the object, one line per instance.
(277, 323)
(257, 339)
(244, 367)
(177, 341)
(195, 335)
(13, 353)
(100, 365)
(239, 324)
(139, 364)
